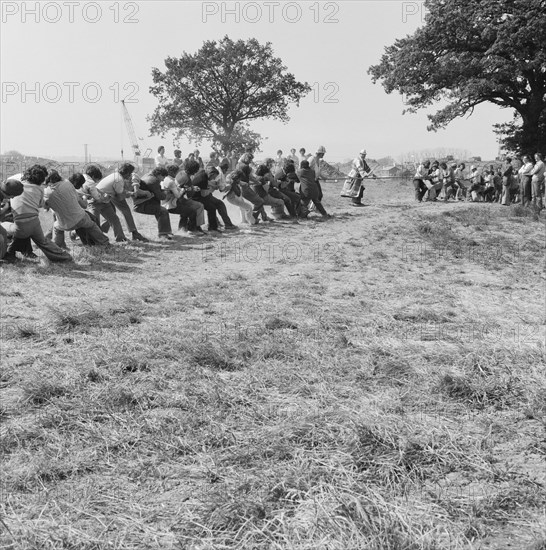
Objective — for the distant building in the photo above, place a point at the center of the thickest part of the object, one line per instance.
(393, 171)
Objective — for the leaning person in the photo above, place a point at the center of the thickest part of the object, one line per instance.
(309, 190)
(26, 211)
(100, 204)
(118, 187)
(151, 206)
(8, 190)
(69, 208)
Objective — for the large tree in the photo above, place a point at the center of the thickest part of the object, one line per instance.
(471, 52)
(213, 94)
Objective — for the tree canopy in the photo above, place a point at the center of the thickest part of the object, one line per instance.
(471, 52)
(214, 93)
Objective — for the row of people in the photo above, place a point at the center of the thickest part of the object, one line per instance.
(215, 158)
(80, 203)
(494, 184)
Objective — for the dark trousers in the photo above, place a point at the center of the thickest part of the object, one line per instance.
(525, 190)
(188, 211)
(316, 202)
(154, 208)
(291, 199)
(222, 210)
(108, 212)
(211, 207)
(420, 189)
(31, 228)
(123, 206)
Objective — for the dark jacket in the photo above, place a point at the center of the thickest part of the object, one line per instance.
(153, 185)
(308, 184)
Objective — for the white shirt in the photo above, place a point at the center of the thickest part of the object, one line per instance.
(173, 192)
(421, 173)
(538, 171)
(526, 169)
(161, 160)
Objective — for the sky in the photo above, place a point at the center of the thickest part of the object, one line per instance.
(65, 66)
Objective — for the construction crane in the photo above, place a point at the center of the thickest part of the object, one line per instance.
(131, 131)
(143, 162)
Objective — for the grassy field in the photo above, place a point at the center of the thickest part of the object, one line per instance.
(373, 381)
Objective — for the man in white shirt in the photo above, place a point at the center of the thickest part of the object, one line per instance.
(118, 186)
(99, 203)
(537, 181)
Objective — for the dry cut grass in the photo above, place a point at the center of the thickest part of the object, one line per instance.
(388, 394)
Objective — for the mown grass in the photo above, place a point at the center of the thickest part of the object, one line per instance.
(264, 406)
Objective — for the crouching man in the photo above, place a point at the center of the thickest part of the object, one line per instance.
(68, 205)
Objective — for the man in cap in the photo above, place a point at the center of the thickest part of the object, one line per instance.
(353, 187)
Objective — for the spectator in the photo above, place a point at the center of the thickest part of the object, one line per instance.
(160, 159)
(537, 181)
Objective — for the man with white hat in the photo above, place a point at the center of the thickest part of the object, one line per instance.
(353, 187)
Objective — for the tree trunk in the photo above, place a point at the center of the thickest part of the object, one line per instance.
(532, 127)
